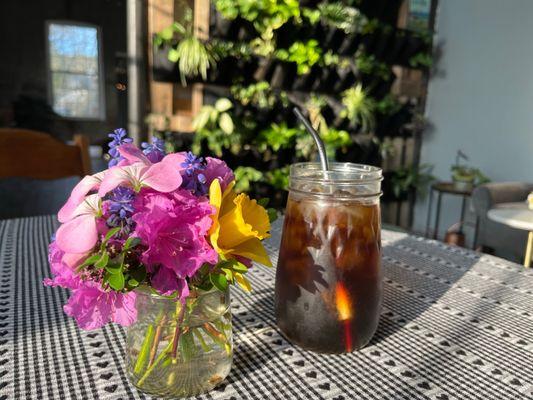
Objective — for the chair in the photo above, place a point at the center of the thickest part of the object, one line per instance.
(492, 236)
(37, 172)
(37, 155)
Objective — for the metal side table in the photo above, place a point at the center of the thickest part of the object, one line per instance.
(446, 188)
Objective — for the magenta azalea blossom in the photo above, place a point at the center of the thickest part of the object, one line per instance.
(63, 274)
(166, 282)
(173, 227)
(92, 307)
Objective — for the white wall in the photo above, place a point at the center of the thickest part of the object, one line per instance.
(481, 98)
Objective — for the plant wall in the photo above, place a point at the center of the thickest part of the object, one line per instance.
(332, 59)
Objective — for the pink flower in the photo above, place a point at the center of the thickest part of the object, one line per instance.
(163, 176)
(216, 168)
(86, 185)
(92, 307)
(79, 233)
(63, 274)
(173, 227)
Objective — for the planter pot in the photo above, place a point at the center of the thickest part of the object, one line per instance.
(283, 76)
(177, 350)
(463, 185)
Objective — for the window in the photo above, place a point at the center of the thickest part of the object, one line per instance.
(75, 70)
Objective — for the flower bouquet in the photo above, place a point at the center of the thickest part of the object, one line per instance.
(152, 243)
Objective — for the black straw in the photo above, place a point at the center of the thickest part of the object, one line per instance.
(319, 144)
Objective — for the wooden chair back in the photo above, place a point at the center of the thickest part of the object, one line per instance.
(31, 154)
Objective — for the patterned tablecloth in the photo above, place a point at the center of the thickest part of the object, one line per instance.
(455, 325)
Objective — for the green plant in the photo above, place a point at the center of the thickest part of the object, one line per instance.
(410, 178)
(358, 107)
(305, 55)
(215, 125)
(192, 55)
(259, 94)
(368, 65)
(335, 139)
(278, 178)
(266, 15)
(277, 137)
(421, 60)
(244, 176)
(462, 173)
(340, 16)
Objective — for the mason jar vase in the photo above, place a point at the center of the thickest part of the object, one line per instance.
(177, 349)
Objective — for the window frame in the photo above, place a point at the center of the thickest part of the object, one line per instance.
(101, 84)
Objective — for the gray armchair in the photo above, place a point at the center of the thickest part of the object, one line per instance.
(500, 239)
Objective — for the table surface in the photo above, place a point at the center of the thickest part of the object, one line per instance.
(515, 215)
(455, 325)
(449, 187)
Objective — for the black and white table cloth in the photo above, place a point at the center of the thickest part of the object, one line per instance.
(455, 325)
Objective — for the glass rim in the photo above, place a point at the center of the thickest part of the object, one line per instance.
(353, 173)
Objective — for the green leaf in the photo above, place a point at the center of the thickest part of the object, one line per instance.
(131, 242)
(111, 233)
(167, 33)
(226, 123)
(139, 274)
(219, 281)
(116, 281)
(133, 282)
(102, 261)
(113, 268)
(228, 273)
(173, 55)
(272, 214)
(223, 105)
(89, 261)
(263, 202)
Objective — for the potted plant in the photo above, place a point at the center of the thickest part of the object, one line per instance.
(465, 177)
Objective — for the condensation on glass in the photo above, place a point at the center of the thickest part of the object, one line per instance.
(328, 279)
(75, 75)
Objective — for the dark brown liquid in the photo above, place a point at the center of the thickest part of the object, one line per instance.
(328, 279)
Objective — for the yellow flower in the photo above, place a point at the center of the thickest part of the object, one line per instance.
(239, 225)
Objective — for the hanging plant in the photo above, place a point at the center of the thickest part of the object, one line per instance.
(358, 108)
(305, 55)
(192, 55)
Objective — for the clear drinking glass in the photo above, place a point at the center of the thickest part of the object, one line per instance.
(176, 350)
(328, 278)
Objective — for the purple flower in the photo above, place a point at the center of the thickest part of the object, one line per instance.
(194, 178)
(119, 208)
(119, 137)
(154, 151)
(218, 169)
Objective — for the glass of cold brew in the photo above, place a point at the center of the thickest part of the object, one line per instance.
(328, 278)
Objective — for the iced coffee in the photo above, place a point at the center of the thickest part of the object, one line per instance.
(328, 280)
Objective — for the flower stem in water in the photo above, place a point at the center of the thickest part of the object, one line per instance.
(145, 348)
